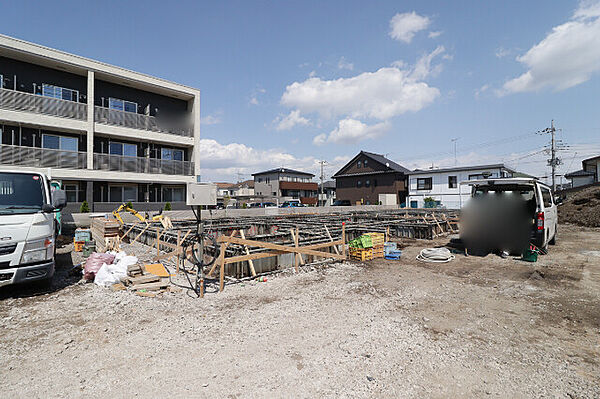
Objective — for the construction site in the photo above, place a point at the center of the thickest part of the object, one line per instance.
(291, 304)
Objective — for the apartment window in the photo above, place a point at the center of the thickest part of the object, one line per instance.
(367, 183)
(59, 92)
(71, 190)
(122, 105)
(173, 194)
(424, 183)
(59, 142)
(128, 150)
(259, 180)
(122, 193)
(171, 154)
(365, 163)
(359, 164)
(358, 183)
(452, 182)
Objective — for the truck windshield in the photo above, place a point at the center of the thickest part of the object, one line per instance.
(21, 193)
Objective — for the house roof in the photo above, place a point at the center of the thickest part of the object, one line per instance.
(328, 184)
(391, 165)
(248, 183)
(460, 168)
(225, 185)
(579, 173)
(591, 159)
(283, 170)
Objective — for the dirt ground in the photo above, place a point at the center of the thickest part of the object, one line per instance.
(582, 207)
(474, 327)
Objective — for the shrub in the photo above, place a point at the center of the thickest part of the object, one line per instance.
(129, 204)
(168, 206)
(85, 207)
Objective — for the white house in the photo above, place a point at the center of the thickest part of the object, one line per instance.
(443, 185)
(588, 175)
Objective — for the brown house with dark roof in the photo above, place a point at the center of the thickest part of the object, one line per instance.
(367, 175)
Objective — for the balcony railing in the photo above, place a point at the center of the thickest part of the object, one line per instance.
(120, 163)
(133, 120)
(42, 157)
(21, 101)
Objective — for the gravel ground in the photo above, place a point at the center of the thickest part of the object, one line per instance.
(475, 327)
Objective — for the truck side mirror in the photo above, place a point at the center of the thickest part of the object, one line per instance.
(59, 199)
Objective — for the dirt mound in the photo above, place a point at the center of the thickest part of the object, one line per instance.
(582, 208)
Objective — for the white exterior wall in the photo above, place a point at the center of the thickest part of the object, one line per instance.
(451, 198)
(582, 181)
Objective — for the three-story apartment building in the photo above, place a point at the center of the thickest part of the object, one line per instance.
(108, 134)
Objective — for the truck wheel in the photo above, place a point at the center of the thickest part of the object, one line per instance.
(553, 240)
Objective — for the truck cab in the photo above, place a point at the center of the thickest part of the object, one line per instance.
(28, 227)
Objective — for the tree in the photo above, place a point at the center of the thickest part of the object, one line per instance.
(226, 200)
(85, 207)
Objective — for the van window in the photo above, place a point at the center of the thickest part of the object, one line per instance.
(547, 196)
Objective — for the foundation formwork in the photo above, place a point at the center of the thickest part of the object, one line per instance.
(312, 229)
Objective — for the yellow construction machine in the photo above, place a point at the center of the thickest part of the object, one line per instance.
(164, 220)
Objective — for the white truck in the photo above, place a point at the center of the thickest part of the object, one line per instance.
(28, 227)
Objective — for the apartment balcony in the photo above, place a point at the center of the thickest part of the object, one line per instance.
(133, 120)
(118, 163)
(41, 157)
(20, 101)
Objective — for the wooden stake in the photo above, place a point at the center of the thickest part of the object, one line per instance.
(214, 266)
(344, 240)
(222, 271)
(178, 246)
(295, 237)
(141, 232)
(158, 241)
(335, 248)
(250, 263)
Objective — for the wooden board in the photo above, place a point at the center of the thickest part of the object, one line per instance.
(268, 245)
(157, 269)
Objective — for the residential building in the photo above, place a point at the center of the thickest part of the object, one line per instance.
(225, 192)
(328, 196)
(108, 134)
(284, 184)
(589, 174)
(367, 175)
(235, 194)
(443, 185)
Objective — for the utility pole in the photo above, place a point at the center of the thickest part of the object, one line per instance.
(554, 160)
(454, 140)
(322, 162)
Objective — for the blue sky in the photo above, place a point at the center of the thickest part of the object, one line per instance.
(289, 83)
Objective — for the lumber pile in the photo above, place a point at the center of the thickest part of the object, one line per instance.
(106, 233)
(144, 283)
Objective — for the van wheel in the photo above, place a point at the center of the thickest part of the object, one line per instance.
(553, 240)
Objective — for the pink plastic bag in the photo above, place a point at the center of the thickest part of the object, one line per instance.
(94, 263)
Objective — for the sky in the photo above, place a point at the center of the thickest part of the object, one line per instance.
(291, 83)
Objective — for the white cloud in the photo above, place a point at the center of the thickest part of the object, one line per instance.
(404, 26)
(434, 34)
(481, 90)
(351, 131)
(211, 119)
(382, 94)
(289, 121)
(344, 64)
(501, 52)
(566, 57)
(222, 162)
(255, 94)
(423, 68)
